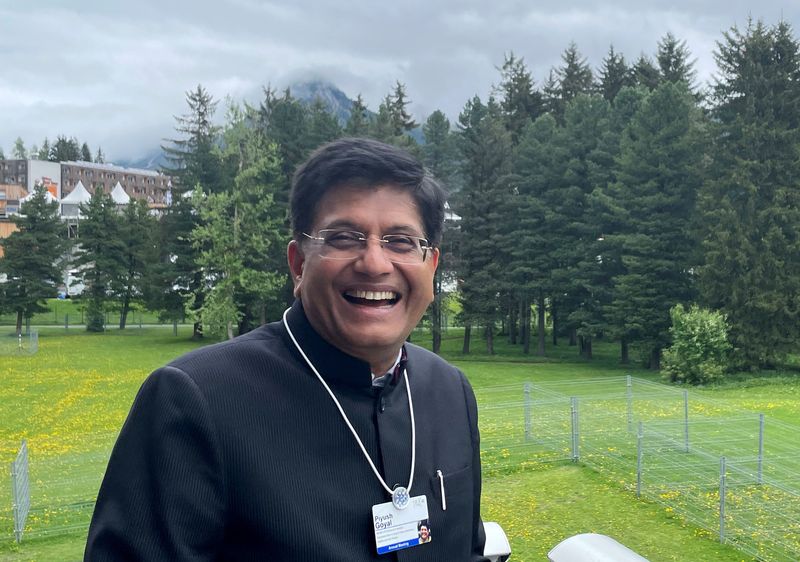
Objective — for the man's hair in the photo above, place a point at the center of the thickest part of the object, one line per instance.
(365, 163)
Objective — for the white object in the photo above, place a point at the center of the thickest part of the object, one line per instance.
(497, 548)
(592, 547)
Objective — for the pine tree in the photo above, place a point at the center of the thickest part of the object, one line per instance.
(520, 102)
(99, 157)
(485, 146)
(645, 73)
(751, 203)
(658, 176)
(238, 228)
(135, 225)
(614, 75)
(673, 61)
(44, 151)
(32, 259)
(100, 257)
(439, 156)
(572, 78)
(86, 154)
(401, 119)
(193, 158)
(358, 122)
(322, 124)
(538, 166)
(382, 128)
(64, 150)
(19, 149)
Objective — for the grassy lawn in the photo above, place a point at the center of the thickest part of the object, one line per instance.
(70, 399)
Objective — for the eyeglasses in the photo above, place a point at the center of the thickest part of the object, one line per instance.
(349, 245)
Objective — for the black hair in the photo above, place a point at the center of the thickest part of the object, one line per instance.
(364, 163)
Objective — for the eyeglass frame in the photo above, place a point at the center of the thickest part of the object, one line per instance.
(424, 244)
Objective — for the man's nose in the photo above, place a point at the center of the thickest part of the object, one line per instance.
(373, 260)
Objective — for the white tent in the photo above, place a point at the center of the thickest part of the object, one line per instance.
(71, 204)
(119, 196)
(48, 197)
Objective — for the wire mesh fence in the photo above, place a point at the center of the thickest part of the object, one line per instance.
(653, 439)
(64, 476)
(24, 343)
(663, 444)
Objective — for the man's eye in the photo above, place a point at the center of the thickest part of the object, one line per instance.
(343, 239)
(401, 243)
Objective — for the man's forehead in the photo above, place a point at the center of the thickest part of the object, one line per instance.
(349, 216)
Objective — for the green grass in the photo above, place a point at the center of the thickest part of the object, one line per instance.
(70, 399)
(71, 312)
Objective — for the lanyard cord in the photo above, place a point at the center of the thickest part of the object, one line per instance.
(347, 420)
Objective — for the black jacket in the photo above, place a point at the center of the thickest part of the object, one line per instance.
(236, 452)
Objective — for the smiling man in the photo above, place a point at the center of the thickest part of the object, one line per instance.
(325, 436)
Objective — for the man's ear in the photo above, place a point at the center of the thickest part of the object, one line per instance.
(296, 259)
(435, 258)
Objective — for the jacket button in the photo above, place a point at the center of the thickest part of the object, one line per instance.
(382, 405)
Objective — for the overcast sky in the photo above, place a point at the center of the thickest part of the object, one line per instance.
(114, 73)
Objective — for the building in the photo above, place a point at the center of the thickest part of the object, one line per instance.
(27, 173)
(60, 178)
(149, 185)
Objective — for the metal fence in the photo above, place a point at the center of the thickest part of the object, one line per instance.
(24, 343)
(20, 490)
(63, 481)
(735, 474)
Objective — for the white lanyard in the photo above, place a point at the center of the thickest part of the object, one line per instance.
(400, 495)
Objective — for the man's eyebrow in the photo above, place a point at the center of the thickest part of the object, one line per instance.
(394, 229)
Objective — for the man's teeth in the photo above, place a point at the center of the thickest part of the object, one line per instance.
(373, 295)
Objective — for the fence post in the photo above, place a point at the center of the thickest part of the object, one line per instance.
(686, 421)
(639, 455)
(575, 432)
(760, 477)
(527, 393)
(722, 493)
(629, 392)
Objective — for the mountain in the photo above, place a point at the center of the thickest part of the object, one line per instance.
(334, 99)
(153, 159)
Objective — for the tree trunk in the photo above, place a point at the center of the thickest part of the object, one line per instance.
(540, 327)
(586, 346)
(526, 326)
(123, 314)
(19, 323)
(573, 337)
(467, 335)
(490, 339)
(514, 320)
(655, 359)
(197, 331)
(229, 326)
(436, 323)
(554, 316)
(623, 350)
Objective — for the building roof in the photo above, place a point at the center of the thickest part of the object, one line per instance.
(119, 196)
(113, 168)
(77, 195)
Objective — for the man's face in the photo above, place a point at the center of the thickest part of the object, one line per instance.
(366, 306)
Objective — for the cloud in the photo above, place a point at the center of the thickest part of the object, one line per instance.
(115, 74)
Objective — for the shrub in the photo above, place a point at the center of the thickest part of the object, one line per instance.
(700, 351)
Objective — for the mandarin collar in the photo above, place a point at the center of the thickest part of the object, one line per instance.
(333, 364)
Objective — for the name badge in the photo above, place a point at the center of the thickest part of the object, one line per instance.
(397, 529)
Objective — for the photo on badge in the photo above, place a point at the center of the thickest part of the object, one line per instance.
(424, 530)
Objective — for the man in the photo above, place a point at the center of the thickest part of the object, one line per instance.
(324, 437)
